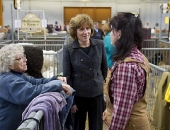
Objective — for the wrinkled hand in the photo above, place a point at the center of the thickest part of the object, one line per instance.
(62, 79)
(67, 89)
(74, 109)
(104, 115)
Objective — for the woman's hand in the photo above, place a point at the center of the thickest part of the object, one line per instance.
(67, 89)
(62, 78)
(104, 115)
(74, 109)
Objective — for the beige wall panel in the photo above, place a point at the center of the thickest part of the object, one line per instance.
(89, 11)
(70, 12)
(96, 13)
(103, 13)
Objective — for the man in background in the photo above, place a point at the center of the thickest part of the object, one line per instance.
(8, 33)
(98, 33)
(57, 27)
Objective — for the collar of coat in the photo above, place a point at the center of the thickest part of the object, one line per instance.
(93, 42)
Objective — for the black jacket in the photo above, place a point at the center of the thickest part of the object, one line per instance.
(98, 35)
(85, 73)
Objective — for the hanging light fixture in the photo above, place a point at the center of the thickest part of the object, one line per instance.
(17, 4)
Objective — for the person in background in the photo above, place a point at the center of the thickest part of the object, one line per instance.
(85, 67)
(110, 49)
(153, 32)
(54, 29)
(66, 27)
(2, 34)
(17, 90)
(57, 26)
(9, 33)
(128, 81)
(50, 28)
(98, 33)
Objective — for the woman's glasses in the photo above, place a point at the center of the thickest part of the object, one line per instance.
(21, 57)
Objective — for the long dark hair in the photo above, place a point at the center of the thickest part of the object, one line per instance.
(34, 61)
(130, 26)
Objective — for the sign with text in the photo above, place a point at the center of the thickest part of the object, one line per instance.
(31, 23)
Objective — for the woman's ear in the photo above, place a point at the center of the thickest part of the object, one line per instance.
(119, 34)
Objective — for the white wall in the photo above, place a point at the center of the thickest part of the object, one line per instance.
(149, 9)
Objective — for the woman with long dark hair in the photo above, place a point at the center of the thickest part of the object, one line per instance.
(129, 76)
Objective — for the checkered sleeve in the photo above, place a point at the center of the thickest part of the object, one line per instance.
(124, 89)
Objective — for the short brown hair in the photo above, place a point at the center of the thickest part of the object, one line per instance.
(106, 28)
(78, 21)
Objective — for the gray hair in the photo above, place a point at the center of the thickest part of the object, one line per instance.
(8, 54)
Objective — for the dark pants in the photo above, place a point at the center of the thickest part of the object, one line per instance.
(94, 107)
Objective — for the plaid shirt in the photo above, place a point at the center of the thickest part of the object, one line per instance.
(128, 81)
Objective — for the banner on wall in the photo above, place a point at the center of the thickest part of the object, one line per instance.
(31, 23)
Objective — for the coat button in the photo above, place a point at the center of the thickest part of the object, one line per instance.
(75, 75)
(81, 59)
(90, 69)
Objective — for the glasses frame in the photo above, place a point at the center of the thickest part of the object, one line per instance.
(21, 58)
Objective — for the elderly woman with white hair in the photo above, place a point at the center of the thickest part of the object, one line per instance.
(17, 90)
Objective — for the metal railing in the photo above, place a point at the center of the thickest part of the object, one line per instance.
(32, 122)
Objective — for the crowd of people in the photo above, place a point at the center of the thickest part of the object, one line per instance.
(53, 28)
(86, 60)
(7, 34)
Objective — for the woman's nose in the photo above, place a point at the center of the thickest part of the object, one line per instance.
(85, 30)
(25, 59)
